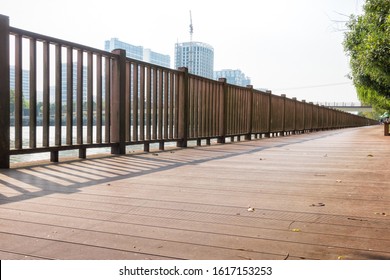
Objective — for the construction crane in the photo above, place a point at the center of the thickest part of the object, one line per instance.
(191, 27)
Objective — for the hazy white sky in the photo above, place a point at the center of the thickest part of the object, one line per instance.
(289, 46)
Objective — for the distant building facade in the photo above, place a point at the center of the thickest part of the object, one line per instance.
(235, 77)
(25, 82)
(64, 85)
(156, 58)
(197, 57)
(138, 52)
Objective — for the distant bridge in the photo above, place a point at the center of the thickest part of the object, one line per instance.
(347, 106)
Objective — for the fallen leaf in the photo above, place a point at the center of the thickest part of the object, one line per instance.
(319, 204)
(340, 257)
(380, 213)
(356, 219)
(296, 230)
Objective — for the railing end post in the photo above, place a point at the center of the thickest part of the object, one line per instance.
(4, 93)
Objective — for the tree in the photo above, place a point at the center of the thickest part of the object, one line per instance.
(367, 43)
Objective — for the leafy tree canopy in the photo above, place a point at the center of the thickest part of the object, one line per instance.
(368, 45)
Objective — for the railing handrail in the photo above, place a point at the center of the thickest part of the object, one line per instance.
(65, 43)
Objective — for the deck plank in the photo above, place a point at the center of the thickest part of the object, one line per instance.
(321, 195)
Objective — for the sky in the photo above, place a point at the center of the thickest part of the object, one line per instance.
(291, 47)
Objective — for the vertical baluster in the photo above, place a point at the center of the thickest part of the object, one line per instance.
(135, 101)
(196, 108)
(46, 95)
(89, 98)
(18, 93)
(171, 104)
(160, 103)
(166, 103)
(213, 93)
(232, 115)
(58, 95)
(199, 108)
(216, 110)
(208, 108)
(69, 96)
(142, 104)
(128, 103)
(176, 112)
(79, 109)
(148, 101)
(99, 105)
(191, 107)
(155, 93)
(240, 109)
(204, 108)
(107, 98)
(237, 119)
(33, 93)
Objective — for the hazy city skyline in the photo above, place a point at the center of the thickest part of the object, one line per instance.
(291, 47)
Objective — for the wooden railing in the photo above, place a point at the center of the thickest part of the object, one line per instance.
(92, 98)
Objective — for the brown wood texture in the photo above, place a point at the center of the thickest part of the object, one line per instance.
(323, 195)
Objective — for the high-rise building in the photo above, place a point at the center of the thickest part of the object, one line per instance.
(235, 77)
(138, 52)
(156, 58)
(197, 57)
(25, 82)
(64, 85)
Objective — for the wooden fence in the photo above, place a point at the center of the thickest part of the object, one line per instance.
(77, 97)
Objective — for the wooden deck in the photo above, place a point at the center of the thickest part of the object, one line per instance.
(323, 195)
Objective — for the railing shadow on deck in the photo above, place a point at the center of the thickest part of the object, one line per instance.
(26, 183)
(103, 99)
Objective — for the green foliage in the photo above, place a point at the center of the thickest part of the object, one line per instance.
(12, 102)
(25, 103)
(368, 44)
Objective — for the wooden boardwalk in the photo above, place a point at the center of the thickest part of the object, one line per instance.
(322, 195)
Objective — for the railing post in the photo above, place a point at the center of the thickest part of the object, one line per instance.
(4, 93)
(222, 111)
(284, 115)
(295, 115)
(118, 124)
(183, 108)
(304, 116)
(248, 136)
(312, 116)
(268, 134)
